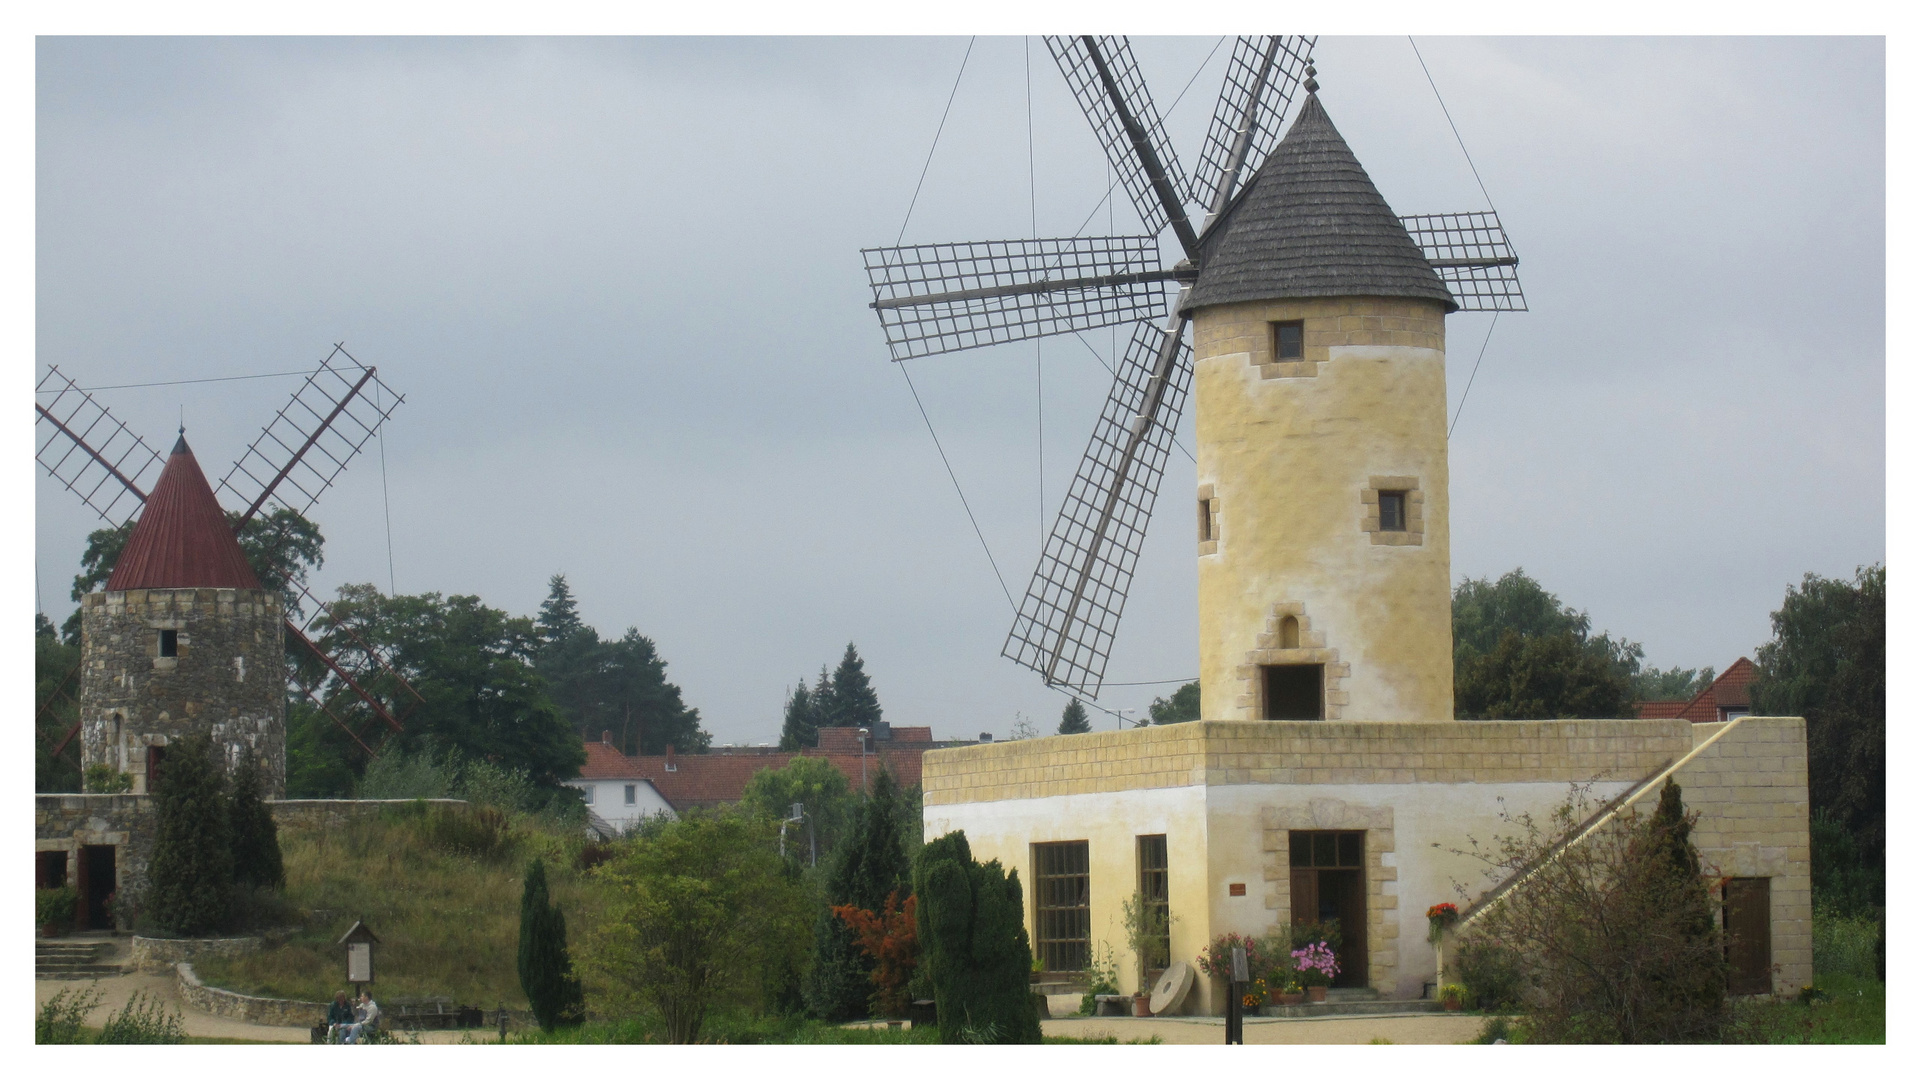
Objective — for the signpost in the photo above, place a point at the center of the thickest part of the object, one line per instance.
(360, 943)
(1236, 986)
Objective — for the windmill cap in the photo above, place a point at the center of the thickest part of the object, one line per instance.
(183, 539)
(1311, 224)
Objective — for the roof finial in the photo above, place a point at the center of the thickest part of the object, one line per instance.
(1312, 86)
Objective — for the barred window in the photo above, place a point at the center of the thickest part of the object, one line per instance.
(1061, 906)
(1151, 853)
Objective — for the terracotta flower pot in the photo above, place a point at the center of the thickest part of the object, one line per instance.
(1317, 993)
(1140, 1005)
(1451, 1004)
(1283, 998)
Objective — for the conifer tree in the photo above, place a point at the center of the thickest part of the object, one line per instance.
(799, 726)
(973, 944)
(855, 704)
(546, 972)
(1074, 718)
(256, 840)
(826, 705)
(190, 878)
(870, 865)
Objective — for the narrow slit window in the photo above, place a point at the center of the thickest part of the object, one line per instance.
(1207, 521)
(1289, 341)
(1393, 511)
(170, 643)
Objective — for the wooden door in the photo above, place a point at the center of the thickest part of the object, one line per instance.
(1304, 889)
(80, 886)
(1349, 904)
(1745, 922)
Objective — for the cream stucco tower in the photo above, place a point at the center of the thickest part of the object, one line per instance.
(1320, 417)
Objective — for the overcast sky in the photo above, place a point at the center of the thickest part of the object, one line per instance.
(619, 283)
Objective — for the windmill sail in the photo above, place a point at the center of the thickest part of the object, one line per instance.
(1262, 74)
(1107, 83)
(91, 452)
(1472, 254)
(938, 298)
(304, 449)
(1066, 625)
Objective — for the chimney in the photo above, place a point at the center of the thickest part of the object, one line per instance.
(670, 757)
(606, 738)
(883, 730)
(987, 736)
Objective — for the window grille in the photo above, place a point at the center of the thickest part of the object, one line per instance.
(1152, 856)
(1061, 906)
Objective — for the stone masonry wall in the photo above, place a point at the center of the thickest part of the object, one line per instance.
(228, 679)
(69, 822)
(334, 813)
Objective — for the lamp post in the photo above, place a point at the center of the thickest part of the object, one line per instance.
(863, 760)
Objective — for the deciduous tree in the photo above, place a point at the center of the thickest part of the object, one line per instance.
(1178, 708)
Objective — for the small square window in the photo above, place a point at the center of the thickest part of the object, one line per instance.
(170, 643)
(630, 794)
(1289, 341)
(1393, 511)
(587, 795)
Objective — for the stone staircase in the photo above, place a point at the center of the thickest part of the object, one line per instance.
(1351, 1002)
(74, 959)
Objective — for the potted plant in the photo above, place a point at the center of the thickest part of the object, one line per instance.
(1218, 960)
(53, 909)
(1146, 926)
(1256, 995)
(1317, 968)
(1289, 993)
(1453, 996)
(1439, 918)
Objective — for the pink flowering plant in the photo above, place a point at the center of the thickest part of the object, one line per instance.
(1316, 964)
(1218, 960)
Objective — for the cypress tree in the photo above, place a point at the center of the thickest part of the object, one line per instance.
(1074, 718)
(870, 865)
(855, 704)
(974, 945)
(1676, 889)
(546, 972)
(256, 840)
(799, 726)
(190, 879)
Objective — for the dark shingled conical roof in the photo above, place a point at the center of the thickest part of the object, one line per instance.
(183, 540)
(1311, 223)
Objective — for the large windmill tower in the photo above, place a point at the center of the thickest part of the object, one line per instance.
(1296, 251)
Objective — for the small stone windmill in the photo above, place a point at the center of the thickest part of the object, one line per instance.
(1297, 262)
(184, 637)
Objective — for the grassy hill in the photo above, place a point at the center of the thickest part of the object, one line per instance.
(440, 887)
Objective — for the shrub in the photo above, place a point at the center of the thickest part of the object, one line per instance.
(1613, 937)
(190, 879)
(1845, 944)
(1103, 977)
(1491, 974)
(974, 942)
(55, 907)
(887, 938)
(63, 1018)
(143, 1020)
(104, 779)
(546, 971)
(1218, 960)
(256, 840)
(479, 832)
(872, 864)
(691, 917)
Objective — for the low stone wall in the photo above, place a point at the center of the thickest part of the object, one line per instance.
(276, 1012)
(161, 954)
(333, 813)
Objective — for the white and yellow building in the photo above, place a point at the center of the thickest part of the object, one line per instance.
(1327, 776)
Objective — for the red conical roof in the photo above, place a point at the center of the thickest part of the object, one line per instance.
(182, 540)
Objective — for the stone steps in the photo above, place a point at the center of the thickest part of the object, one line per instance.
(73, 960)
(1350, 1007)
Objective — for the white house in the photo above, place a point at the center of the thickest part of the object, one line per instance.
(617, 796)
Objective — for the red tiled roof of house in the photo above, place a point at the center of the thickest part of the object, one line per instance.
(1727, 693)
(714, 779)
(182, 540)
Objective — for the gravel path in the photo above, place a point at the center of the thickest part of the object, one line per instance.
(1420, 1028)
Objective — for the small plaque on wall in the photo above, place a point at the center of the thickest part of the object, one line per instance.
(1236, 888)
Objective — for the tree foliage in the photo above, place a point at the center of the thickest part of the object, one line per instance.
(256, 839)
(694, 911)
(1673, 684)
(56, 707)
(831, 805)
(872, 864)
(618, 685)
(190, 877)
(850, 700)
(1827, 662)
(1610, 940)
(799, 727)
(1074, 719)
(1178, 708)
(973, 942)
(887, 938)
(1520, 654)
(546, 971)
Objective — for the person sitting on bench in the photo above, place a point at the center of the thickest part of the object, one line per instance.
(367, 1018)
(339, 1015)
